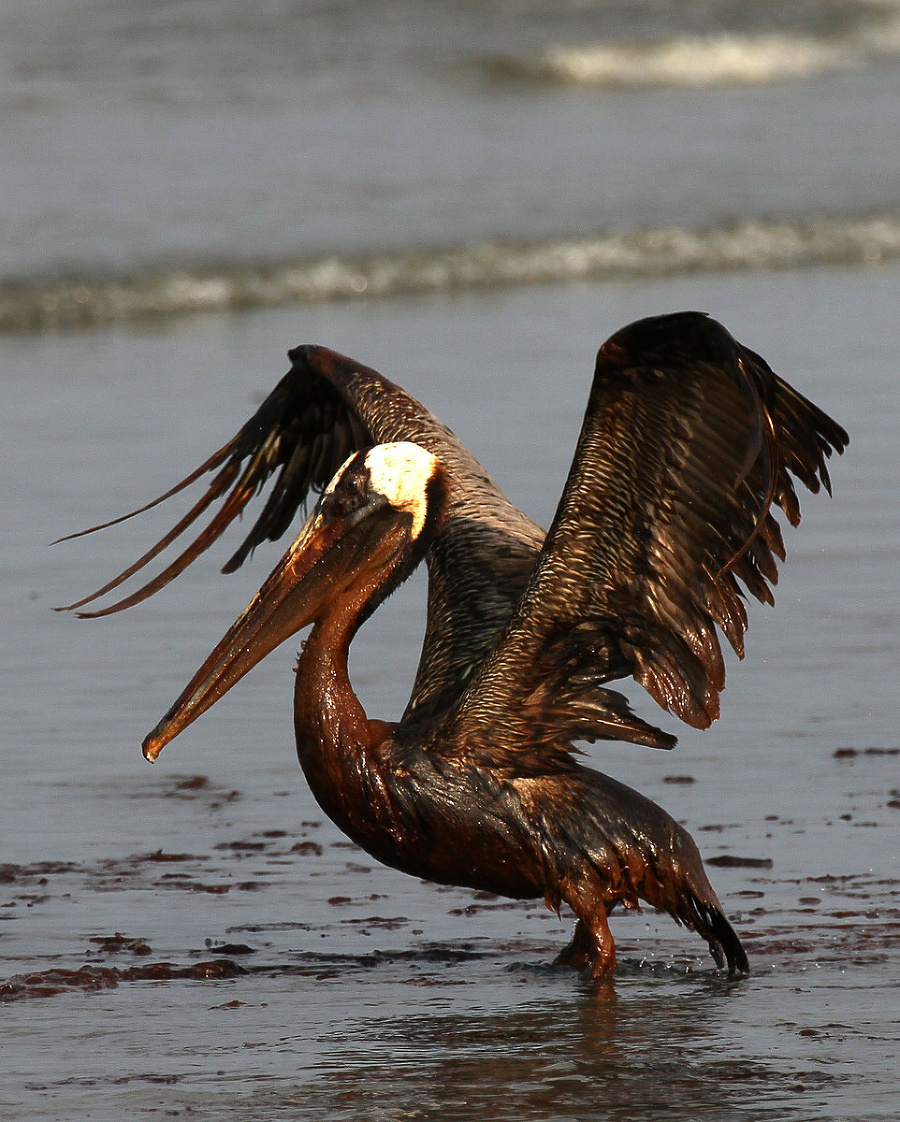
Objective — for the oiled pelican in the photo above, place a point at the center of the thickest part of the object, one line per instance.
(688, 440)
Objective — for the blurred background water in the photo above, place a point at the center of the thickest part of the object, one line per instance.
(469, 197)
(169, 156)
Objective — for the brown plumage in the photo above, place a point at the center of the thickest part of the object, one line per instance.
(689, 440)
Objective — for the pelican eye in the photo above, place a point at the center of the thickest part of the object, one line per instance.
(349, 494)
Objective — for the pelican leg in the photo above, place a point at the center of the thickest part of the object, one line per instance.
(593, 947)
(578, 953)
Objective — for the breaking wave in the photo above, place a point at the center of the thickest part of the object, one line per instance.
(669, 250)
(704, 61)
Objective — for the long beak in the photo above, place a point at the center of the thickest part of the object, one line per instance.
(293, 596)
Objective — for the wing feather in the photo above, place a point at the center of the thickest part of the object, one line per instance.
(688, 440)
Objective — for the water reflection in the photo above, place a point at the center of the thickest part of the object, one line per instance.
(662, 1050)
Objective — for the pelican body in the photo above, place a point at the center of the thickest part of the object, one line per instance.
(688, 441)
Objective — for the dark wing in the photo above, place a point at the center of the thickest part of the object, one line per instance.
(303, 431)
(688, 440)
(326, 407)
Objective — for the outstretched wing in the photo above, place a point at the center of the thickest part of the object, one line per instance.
(323, 409)
(688, 441)
(326, 407)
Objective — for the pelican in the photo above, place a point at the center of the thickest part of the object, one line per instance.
(666, 519)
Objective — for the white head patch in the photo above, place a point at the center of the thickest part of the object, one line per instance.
(401, 473)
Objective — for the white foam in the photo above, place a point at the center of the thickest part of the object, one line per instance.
(656, 251)
(699, 62)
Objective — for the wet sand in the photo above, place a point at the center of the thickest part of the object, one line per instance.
(277, 973)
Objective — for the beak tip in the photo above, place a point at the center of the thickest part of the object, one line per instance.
(150, 748)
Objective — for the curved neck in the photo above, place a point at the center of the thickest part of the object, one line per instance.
(345, 756)
(339, 748)
(328, 716)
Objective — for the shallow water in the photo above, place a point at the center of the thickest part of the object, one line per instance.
(194, 938)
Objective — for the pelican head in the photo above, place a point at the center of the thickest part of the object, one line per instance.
(367, 533)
